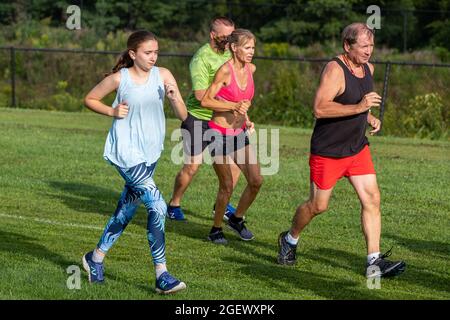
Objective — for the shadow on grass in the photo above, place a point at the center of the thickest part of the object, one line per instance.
(286, 279)
(201, 215)
(86, 198)
(18, 243)
(427, 247)
(426, 278)
(348, 262)
(414, 274)
(93, 199)
(433, 251)
(199, 232)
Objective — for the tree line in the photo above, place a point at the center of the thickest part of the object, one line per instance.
(405, 24)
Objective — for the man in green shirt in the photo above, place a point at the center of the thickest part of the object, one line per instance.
(203, 66)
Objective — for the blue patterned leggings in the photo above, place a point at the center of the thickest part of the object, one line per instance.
(139, 187)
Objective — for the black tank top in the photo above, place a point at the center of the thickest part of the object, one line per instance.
(344, 136)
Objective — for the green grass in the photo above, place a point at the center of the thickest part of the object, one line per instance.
(57, 193)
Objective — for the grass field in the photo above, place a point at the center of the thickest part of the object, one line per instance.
(56, 194)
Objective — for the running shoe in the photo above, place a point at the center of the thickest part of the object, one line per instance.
(382, 267)
(166, 284)
(95, 270)
(175, 213)
(287, 253)
(241, 230)
(217, 237)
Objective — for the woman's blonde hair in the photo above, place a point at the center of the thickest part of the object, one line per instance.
(240, 36)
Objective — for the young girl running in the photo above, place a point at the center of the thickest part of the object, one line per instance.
(229, 96)
(134, 145)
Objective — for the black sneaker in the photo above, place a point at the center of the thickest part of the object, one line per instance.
(241, 230)
(385, 268)
(217, 237)
(287, 253)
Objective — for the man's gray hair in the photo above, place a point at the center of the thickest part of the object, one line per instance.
(220, 20)
(352, 31)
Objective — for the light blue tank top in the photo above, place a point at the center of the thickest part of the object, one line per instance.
(139, 137)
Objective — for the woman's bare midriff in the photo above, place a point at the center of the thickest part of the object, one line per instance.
(229, 119)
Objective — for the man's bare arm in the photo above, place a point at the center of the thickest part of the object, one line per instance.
(331, 83)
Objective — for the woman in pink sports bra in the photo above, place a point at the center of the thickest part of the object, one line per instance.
(229, 96)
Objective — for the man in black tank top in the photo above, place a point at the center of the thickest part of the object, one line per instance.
(339, 148)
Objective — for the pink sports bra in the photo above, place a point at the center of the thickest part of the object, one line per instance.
(232, 92)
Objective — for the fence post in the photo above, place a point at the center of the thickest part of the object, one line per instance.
(405, 31)
(13, 76)
(229, 6)
(387, 70)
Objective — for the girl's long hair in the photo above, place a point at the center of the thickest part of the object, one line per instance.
(133, 42)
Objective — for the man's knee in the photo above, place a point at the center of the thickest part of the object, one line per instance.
(318, 207)
(190, 169)
(226, 188)
(372, 200)
(256, 182)
(375, 198)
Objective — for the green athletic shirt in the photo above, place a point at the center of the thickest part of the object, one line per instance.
(203, 67)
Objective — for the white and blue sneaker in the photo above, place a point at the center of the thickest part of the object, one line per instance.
(166, 284)
(229, 211)
(95, 270)
(175, 213)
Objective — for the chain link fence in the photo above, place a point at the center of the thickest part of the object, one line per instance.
(58, 79)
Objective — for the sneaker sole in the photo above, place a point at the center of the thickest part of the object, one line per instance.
(175, 219)
(283, 262)
(239, 235)
(88, 270)
(394, 271)
(179, 287)
(216, 242)
(86, 267)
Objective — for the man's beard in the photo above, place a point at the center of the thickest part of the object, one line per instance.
(221, 45)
